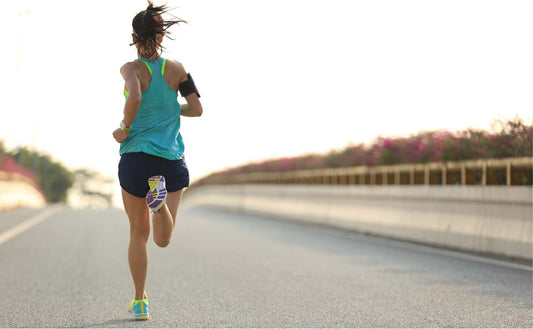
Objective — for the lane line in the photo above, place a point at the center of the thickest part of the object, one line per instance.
(436, 250)
(27, 224)
(463, 255)
(383, 240)
(404, 244)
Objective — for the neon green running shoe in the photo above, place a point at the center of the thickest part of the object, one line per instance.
(139, 309)
(130, 306)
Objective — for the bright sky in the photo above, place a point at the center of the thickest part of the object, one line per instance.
(277, 77)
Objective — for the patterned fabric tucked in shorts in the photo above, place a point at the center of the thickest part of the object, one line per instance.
(134, 169)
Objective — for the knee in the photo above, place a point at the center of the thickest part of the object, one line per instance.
(141, 232)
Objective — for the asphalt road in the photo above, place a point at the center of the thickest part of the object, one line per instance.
(231, 270)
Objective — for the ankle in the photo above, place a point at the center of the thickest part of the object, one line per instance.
(142, 297)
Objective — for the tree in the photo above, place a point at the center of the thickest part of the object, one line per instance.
(54, 178)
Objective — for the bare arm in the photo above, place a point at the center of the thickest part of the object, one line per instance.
(133, 86)
(193, 108)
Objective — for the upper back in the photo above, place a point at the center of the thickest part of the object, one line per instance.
(173, 73)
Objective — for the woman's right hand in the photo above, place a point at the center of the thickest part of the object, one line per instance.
(120, 135)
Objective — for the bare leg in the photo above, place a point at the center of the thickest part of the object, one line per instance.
(165, 219)
(139, 231)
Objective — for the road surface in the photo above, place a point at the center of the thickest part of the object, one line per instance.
(68, 268)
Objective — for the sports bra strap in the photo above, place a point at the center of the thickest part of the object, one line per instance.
(163, 67)
(163, 64)
(148, 66)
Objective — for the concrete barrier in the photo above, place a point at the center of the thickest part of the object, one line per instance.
(496, 220)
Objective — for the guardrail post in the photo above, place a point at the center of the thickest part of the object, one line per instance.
(342, 178)
(492, 171)
(484, 174)
(508, 176)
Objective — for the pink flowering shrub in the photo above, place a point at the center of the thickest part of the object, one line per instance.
(511, 138)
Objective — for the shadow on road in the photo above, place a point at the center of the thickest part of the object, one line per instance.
(118, 322)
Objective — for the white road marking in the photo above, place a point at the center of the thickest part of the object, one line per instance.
(26, 225)
(466, 256)
(443, 252)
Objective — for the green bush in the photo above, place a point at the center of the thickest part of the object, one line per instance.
(53, 178)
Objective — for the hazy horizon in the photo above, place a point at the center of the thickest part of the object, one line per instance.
(277, 78)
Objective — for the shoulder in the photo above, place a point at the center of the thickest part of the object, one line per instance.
(129, 68)
(177, 68)
(174, 64)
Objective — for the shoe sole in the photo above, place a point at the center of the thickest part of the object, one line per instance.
(142, 317)
(157, 194)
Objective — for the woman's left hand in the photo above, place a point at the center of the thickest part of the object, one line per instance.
(120, 135)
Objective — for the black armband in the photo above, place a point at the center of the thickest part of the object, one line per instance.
(188, 87)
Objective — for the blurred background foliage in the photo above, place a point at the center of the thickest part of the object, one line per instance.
(52, 176)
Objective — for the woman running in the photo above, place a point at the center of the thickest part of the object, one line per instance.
(152, 171)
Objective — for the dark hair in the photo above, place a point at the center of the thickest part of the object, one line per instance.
(148, 29)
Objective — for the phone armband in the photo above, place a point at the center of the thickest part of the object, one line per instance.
(188, 87)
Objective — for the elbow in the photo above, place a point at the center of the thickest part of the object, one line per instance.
(197, 110)
(195, 106)
(135, 99)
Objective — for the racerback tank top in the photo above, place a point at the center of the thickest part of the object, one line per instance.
(156, 128)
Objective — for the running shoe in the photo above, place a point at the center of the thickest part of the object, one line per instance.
(157, 195)
(139, 309)
(130, 306)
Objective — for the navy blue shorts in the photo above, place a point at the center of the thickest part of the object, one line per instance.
(134, 169)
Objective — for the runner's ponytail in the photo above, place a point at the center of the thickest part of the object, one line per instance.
(149, 27)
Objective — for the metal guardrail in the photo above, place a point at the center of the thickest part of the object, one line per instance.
(508, 171)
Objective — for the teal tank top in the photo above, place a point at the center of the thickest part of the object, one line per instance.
(156, 128)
